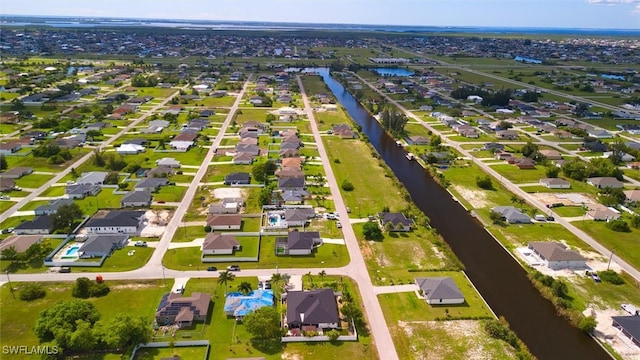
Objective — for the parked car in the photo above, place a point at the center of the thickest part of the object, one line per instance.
(338, 225)
(180, 289)
(550, 218)
(141, 243)
(212, 268)
(65, 269)
(595, 277)
(233, 268)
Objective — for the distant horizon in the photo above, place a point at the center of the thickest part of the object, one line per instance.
(411, 26)
(535, 14)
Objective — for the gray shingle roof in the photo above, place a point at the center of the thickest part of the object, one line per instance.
(312, 307)
(439, 288)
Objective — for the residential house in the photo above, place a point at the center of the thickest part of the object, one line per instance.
(555, 183)
(176, 309)
(130, 149)
(600, 134)
(298, 216)
(116, 222)
(10, 147)
(102, 245)
(217, 244)
(440, 290)
(237, 178)
(285, 153)
(297, 243)
(224, 222)
(605, 182)
(600, 212)
(80, 191)
(246, 148)
(16, 172)
(293, 162)
(150, 184)
(343, 131)
(168, 161)
(551, 154)
(136, 198)
(243, 158)
(52, 207)
(312, 310)
(184, 140)
(629, 327)
(557, 256)
(417, 140)
(20, 243)
(395, 221)
(227, 206)
(503, 155)
(523, 163)
(632, 195)
(7, 184)
(512, 215)
(40, 225)
(238, 305)
(92, 178)
(291, 184)
(493, 147)
(507, 134)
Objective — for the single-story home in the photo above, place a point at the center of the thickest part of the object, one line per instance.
(298, 216)
(555, 183)
(80, 191)
(20, 243)
(551, 154)
(102, 245)
(16, 172)
(298, 243)
(605, 182)
(395, 221)
(168, 161)
(176, 309)
(512, 215)
(115, 222)
(600, 212)
(225, 222)
(136, 198)
(632, 195)
(313, 310)
(40, 225)
(556, 255)
(150, 184)
(92, 178)
(237, 178)
(243, 158)
(629, 327)
(216, 244)
(52, 207)
(130, 149)
(440, 290)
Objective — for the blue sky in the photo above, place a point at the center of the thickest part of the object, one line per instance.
(607, 14)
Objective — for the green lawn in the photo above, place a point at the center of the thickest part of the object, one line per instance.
(4, 205)
(189, 352)
(516, 175)
(170, 193)
(371, 192)
(18, 317)
(32, 205)
(53, 191)
(121, 261)
(625, 245)
(104, 200)
(225, 101)
(188, 233)
(570, 211)
(33, 180)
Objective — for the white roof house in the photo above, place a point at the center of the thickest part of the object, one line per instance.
(131, 149)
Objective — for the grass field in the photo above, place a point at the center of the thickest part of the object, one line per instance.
(516, 175)
(120, 260)
(624, 245)
(371, 192)
(33, 180)
(18, 317)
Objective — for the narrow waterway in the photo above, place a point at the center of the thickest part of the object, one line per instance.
(499, 278)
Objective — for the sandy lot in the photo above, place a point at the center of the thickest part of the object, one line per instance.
(155, 225)
(568, 199)
(605, 332)
(221, 193)
(476, 198)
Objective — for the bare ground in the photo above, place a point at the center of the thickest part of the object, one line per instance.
(476, 198)
(605, 332)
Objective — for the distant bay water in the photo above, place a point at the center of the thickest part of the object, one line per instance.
(85, 22)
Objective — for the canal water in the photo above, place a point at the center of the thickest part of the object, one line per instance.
(499, 278)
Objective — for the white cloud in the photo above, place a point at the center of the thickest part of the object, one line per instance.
(612, 2)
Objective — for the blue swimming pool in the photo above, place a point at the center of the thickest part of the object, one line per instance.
(72, 251)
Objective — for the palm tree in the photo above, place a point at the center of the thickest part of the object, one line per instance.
(224, 278)
(244, 288)
(276, 280)
(322, 274)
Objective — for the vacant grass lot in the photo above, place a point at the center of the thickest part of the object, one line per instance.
(190, 352)
(18, 317)
(624, 245)
(371, 191)
(33, 180)
(516, 175)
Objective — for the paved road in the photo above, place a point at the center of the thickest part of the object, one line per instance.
(515, 189)
(357, 268)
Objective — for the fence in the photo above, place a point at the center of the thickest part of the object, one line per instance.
(166, 344)
(321, 338)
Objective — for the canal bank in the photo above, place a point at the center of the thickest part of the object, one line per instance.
(499, 278)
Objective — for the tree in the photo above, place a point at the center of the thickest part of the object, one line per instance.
(10, 253)
(371, 231)
(347, 185)
(81, 289)
(263, 323)
(125, 330)
(435, 141)
(65, 216)
(244, 288)
(224, 278)
(352, 312)
(560, 289)
(496, 218)
(276, 281)
(618, 225)
(111, 178)
(32, 291)
(552, 171)
(3, 163)
(484, 182)
(261, 171)
(587, 324)
(333, 335)
(60, 320)
(322, 274)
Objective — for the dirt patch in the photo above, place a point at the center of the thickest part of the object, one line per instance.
(290, 356)
(132, 286)
(567, 199)
(476, 198)
(156, 223)
(366, 250)
(223, 193)
(466, 330)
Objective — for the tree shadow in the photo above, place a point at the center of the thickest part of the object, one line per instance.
(267, 346)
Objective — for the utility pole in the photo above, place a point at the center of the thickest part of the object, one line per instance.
(10, 286)
(610, 257)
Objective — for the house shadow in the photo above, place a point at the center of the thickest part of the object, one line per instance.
(465, 304)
